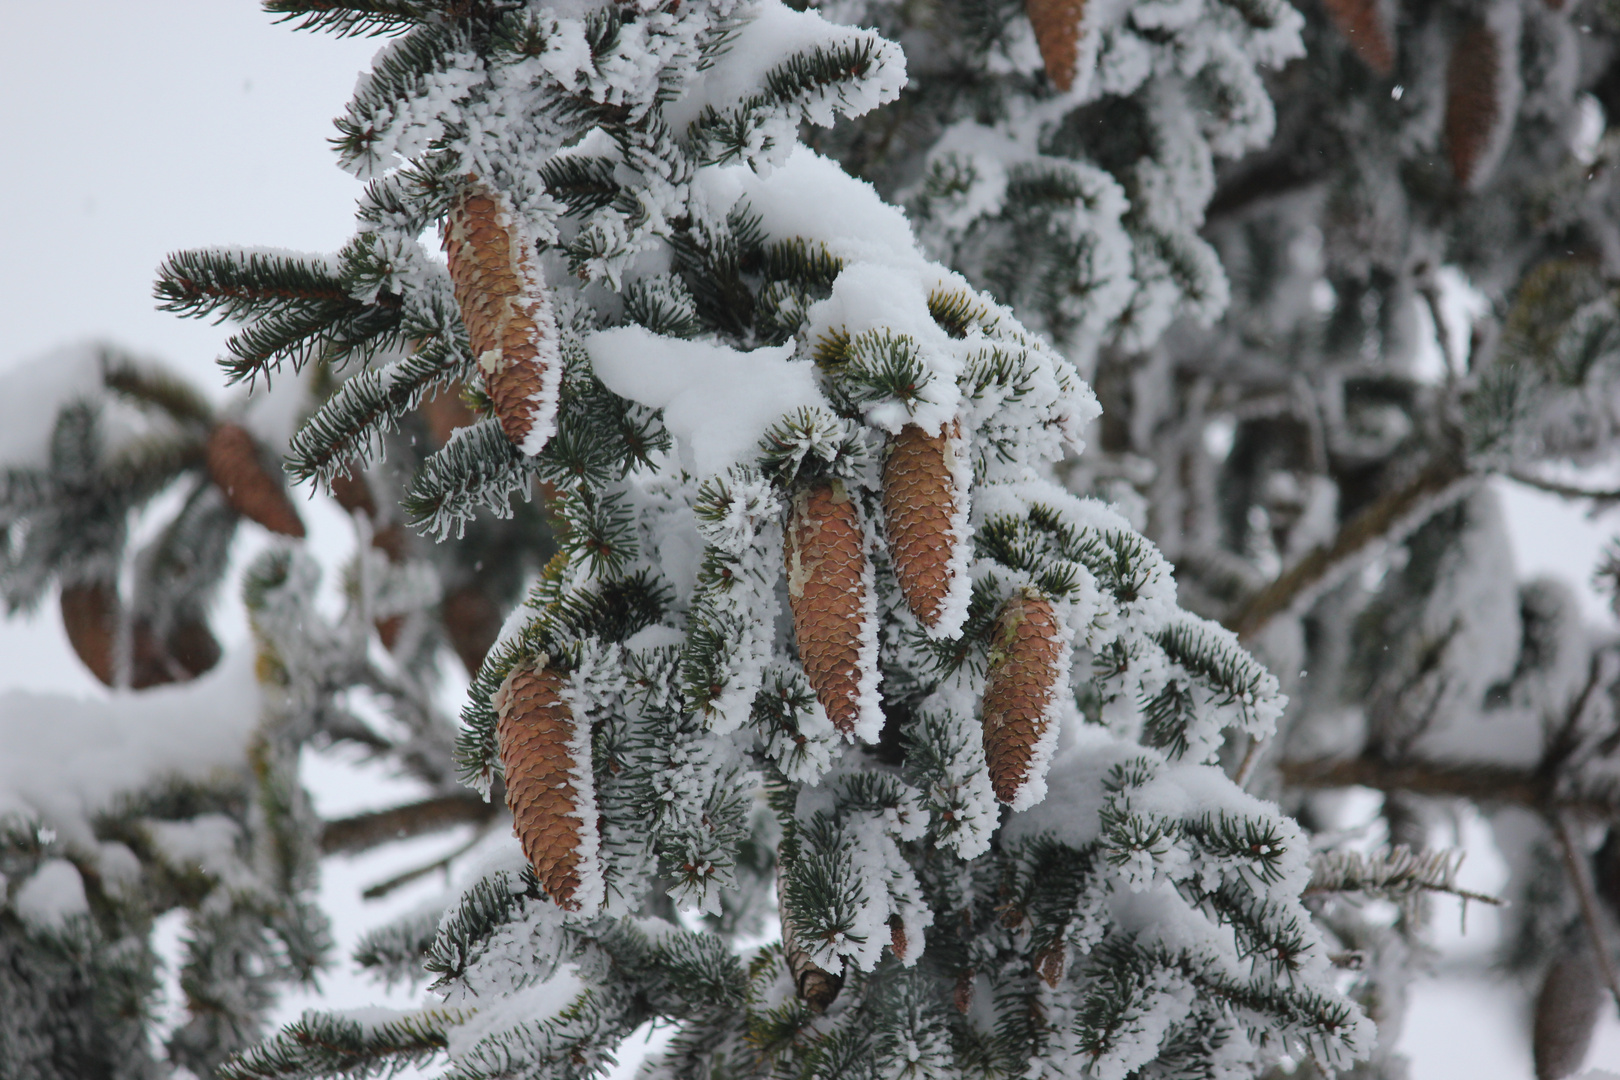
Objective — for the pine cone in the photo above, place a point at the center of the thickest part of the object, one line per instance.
(830, 592)
(1057, 32)
(922, 505)
(444, 412)
(1026, 656)
(1367, 26)
(250, 488)
(502, 295)
(90, 616)
(1476, 110)
(816, 985)
(535, 733)
(1567, 1008)
(472, 622)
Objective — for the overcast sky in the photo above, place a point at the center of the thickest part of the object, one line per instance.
(130, 130)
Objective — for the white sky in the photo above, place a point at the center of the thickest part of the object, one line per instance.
(130, 130)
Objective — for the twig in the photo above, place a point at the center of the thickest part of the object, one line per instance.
(1575, 864)
(1568, 491)
(383, 888)
(1251, 758)
(364, 831)
(1389, 518)
(1480, 783)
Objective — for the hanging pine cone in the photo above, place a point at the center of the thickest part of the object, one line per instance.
(1026, 657)
(90, 613)
(1057, 32)
(1567, 1010)
(251, 490)
(924, 508)
(1368, 27)
(444, 412)
(504, 303)
(816, 985)
(834, 610)
(472, 622)
(1479, 108)
(537, 740)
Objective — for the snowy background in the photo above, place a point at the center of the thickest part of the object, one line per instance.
(131, 130)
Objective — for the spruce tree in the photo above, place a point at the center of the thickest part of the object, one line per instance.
(851, 721)
(822, 635)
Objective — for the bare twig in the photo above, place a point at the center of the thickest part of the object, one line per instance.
(1388, 519)
(1581, 878)
(1487, 784)
(1251, 758)
(365, 831)
(383, 888)
(1568, 491)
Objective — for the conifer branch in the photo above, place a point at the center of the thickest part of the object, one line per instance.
(1534, 789)
(1386, 520)
(352, 18)
(368, 830)
(1568, 491)
(1397, 873)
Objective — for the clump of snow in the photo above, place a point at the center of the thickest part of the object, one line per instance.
(718, 401)
(67, 758)
(53, 894)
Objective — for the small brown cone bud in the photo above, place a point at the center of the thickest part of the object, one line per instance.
(535, 735)
(1567, 1008)
(962, 996)
(90, 616)
(1026, 658)
(1479, 106)
(250, 488)
(501, 291)
(816, 985)
(830, 592)
(922, 503)
(1050, 963)
(1367, 26)
(1057, 32)
(897, 937)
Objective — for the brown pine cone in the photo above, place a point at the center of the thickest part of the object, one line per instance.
(250, 489)
(922, 503)
(502, 295)
(535, 733)
(1026, 657)
(1367, 26)
(816, 985)
(472, 622)
(1057, 32)
(90, 616)
(1474, 104)
(1567, 1011)
(444, 412)
(830, 592)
